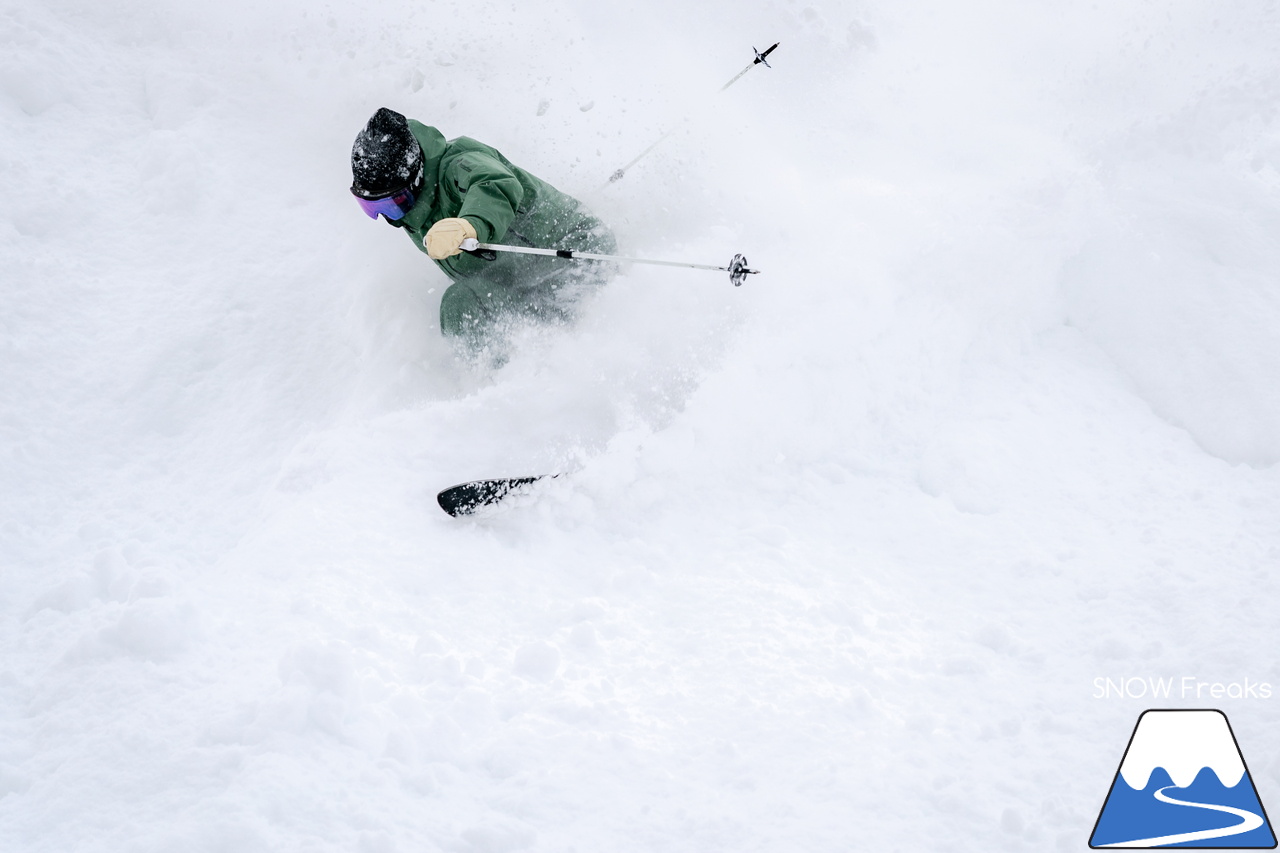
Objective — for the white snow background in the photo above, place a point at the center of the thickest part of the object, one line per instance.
(843, 549)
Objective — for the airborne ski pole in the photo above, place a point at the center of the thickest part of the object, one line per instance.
(737, 268)
(761, 58)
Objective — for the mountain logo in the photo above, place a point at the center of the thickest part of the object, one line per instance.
(1183, 783)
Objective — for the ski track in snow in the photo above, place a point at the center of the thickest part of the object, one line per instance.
(844, 548)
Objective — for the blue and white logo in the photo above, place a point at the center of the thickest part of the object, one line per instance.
(1183, 783)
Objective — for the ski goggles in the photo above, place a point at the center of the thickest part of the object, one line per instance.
(393, 205)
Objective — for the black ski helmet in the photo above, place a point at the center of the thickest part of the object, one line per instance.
(385, 156)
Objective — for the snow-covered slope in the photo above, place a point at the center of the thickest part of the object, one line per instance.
(844, 549)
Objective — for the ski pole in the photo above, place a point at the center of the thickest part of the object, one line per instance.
(760, 58)
(737, 268)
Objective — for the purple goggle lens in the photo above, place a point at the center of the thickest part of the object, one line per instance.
(393, 205)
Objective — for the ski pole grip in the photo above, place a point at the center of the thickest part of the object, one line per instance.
(472, 247)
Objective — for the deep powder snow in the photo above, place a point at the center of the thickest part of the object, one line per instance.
(843, 550)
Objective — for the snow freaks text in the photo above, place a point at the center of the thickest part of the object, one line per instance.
(1186, 687)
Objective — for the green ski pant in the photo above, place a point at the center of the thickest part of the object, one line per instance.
(529, 288)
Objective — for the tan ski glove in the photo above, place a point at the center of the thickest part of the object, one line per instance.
(444, 239)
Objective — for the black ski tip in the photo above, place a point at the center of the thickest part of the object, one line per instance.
(467, 498)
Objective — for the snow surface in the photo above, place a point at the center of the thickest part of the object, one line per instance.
(846, 547)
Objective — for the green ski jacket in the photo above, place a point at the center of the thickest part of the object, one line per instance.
(468, 179)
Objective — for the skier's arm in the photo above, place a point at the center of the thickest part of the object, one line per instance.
(491, 194)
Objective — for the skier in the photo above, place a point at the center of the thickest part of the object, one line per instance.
(442, 192)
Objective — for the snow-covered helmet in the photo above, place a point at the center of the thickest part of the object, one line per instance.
(386, 157)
